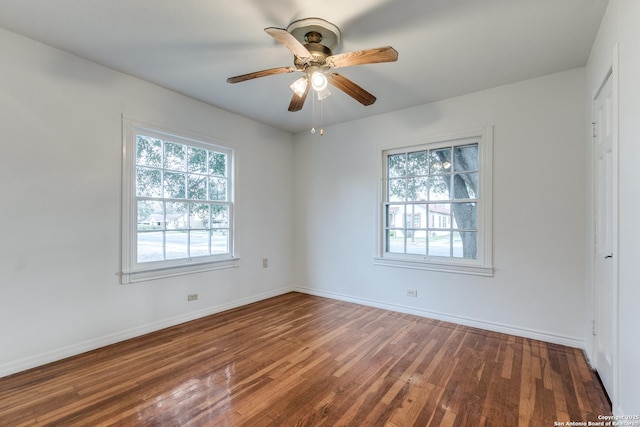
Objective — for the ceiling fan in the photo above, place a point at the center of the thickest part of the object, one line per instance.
(311, 41)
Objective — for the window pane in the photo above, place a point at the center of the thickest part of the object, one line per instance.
(440, 243)
(439, 187)
(150, 246)
(395, 216)
(465, 185)
(417, 242)
(395, 241)
(176, 244)
(174, 185)
(465, 215)
(148, 151)
(219, 241)
(217, 188)
(148, 182)
(417, 189)
(217, 164)
(416, 216)
(440, 161)
(219, 216)
(197, 187)
(440, 215)
(417, 163)
(197, 160)
(396, 165)
(465, 244)
(199, 243)
(175, 156)
(176, 216)
(150, 215)
(397, 190)
(199, 216)
(466, 158)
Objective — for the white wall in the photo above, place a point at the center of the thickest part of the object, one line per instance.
(539, 203)
(620, 28)
(60, 124)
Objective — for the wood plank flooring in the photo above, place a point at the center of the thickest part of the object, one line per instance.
(301, 360)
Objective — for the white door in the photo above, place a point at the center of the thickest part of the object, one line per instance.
(605, 309)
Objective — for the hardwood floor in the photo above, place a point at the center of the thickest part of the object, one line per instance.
(300, 360)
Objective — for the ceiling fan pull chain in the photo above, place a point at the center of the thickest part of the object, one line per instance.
(321, 118)
(313, 114)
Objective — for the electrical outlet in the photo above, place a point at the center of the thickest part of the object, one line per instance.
(412, 293)
(192, 297)
(265, 262)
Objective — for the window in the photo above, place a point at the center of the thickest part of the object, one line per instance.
(177, 203)
(436, 204)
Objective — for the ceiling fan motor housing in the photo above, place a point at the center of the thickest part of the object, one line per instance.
(319, 54)
(309, 29)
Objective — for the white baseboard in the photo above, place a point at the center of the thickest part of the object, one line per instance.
(75, 349)
(481, 324)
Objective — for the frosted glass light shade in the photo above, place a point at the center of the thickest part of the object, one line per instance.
(299, 86)
(322, 94)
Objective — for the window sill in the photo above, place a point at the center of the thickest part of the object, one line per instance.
(449, 267)
(127, 277)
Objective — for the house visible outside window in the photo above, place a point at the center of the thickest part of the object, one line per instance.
(177, 203)
(436, 204)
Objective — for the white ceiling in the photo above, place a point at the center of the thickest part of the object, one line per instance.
(446, 47)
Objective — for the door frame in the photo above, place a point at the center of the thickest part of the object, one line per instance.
(613, 74)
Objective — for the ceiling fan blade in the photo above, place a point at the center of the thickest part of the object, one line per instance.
(369, 56)
(351, 89)
(263, 73)
(297, 102)
(289, 41)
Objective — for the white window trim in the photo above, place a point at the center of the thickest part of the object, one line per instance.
(131, 271)
(483, 265)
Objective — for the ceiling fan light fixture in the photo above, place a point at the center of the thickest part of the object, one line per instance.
(299, 87)
(322, 94)
(318, 81)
